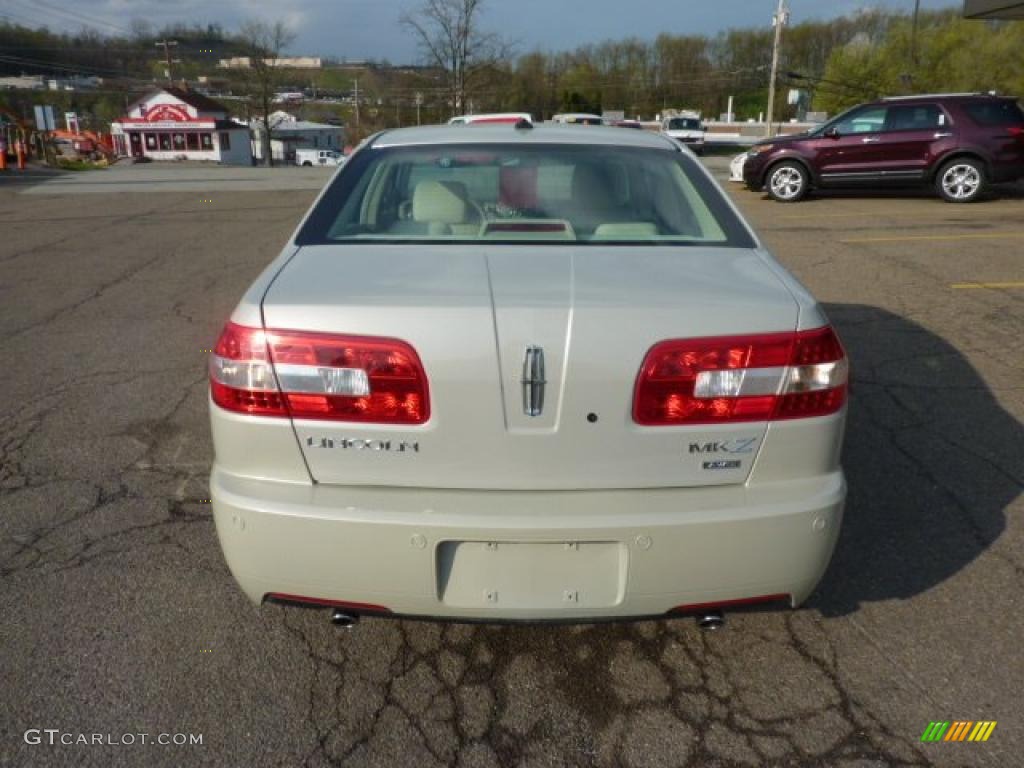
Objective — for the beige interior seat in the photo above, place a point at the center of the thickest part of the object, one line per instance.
(592, 202)
(443, 206)
(591, 188)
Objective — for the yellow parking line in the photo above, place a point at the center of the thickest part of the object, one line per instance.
(829, 215)
(913, 238)
(1017, 284)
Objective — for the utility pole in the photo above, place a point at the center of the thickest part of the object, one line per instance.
(780, 20)
(167, 45)
(419, 105)
(357, 104)
(913, 34)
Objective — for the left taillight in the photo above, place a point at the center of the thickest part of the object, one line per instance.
(320, 376)
(761, 377)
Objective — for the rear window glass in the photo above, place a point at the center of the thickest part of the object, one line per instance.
(684, 124)
(995, 113)
(915, 117)
(538, 193)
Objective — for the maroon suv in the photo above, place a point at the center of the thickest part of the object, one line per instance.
(958, 142)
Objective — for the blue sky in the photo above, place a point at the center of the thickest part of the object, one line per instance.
(357, 29)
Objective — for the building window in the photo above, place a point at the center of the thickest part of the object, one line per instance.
(150, 140)
(165, 142)
(179, 141)
(206, 141)
(192, 141)
(225, 142)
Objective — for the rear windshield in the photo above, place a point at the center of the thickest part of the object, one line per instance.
(684, 124)
(995, 113)
(538, 193)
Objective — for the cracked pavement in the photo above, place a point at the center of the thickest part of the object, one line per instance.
(120, 616)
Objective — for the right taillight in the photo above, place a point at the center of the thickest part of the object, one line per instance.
(741, 378)
(321, 376)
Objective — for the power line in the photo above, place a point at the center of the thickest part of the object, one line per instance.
(57, 66)
(73, 15)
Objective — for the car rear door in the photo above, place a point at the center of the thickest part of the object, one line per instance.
(913, 136)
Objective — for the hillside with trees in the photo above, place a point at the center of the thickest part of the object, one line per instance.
(838, 62)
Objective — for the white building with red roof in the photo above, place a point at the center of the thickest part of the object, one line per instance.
(178, 124)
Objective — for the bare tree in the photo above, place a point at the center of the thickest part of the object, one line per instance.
(450, 37)
(264, 44)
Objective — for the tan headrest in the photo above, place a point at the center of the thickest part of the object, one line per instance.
(626, 230)
(442, 202)
(591, 187)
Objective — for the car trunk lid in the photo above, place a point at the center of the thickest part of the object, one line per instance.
(480, 318)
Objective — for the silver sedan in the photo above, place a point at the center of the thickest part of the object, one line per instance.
(522, 372)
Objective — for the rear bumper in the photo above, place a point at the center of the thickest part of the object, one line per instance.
(527, 555)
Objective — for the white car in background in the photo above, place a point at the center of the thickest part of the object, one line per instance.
(526, 373)
(327, 157)
(736, 167)
(687, 128)
(577, 118)
(497, 118)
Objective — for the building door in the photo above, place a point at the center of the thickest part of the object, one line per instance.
(135, 139)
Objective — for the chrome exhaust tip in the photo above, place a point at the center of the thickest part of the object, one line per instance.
(340, 618)
(710, 621)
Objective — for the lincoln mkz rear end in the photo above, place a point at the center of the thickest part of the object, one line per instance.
(514, 373)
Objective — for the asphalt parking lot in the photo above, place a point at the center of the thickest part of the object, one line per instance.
(120, 616)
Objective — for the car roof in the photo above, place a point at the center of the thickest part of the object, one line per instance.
(509, 134)
(942, 97)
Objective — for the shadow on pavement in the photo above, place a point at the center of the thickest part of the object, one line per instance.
(931, 458)
(1004, 191)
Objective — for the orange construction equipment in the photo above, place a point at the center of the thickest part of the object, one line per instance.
(87, 142)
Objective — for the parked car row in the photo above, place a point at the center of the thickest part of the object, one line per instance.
(686, 128)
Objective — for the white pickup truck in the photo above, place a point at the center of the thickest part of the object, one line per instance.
(318, 157)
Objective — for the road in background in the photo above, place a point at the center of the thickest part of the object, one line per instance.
(120, 616)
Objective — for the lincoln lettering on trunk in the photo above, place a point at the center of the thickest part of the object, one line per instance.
(357, 444)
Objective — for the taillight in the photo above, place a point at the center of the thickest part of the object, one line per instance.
(318, 376)
(1016, 130)
(741, 378)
